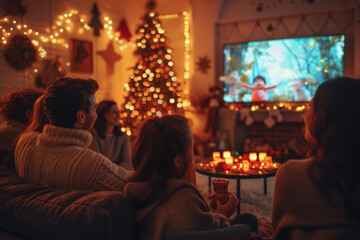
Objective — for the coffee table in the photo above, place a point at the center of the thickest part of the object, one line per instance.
(235, 175)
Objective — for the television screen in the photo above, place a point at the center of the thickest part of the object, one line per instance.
(282, 70)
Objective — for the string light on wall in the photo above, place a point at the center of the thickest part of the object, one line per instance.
(187, 50)
(112, 34)
(263, 106)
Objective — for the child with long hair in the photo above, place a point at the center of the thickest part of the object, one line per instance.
(163, 189)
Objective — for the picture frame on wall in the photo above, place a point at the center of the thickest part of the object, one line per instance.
(81, 56)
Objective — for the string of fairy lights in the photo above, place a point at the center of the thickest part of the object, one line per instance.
(72, 22)
(187, 50)
(278, 106)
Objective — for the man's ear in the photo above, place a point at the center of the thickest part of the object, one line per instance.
(178, 162)
(80, 116)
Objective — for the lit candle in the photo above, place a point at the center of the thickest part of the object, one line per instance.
(253, 157)
(262, 156)
(246, 165)
(226, 154)
(268, 161)
(229, 162)
(216, 156)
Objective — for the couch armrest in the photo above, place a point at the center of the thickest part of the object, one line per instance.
(233, 232)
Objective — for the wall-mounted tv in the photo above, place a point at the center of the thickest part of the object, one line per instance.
(287, 70)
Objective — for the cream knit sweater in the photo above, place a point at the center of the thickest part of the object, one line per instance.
(59, 157)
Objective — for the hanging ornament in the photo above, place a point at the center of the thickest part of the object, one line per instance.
(95, 22)
(110, 56)
(273, 113)
(203, 64)
(51, 69)
(245, 116)
(123, 30)
(20, 52)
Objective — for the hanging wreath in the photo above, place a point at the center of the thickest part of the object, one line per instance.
(20, 52)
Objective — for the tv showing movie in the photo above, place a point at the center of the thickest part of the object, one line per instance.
(281, 70)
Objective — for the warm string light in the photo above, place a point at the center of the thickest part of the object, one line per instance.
(262, 106)
(111, 34)
(187, 49)
(9, 28)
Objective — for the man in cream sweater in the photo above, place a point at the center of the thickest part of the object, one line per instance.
(59, 156)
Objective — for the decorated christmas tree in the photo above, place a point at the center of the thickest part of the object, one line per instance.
(153, 89)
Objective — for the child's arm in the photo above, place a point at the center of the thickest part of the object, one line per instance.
(274, 86)
(246, 86)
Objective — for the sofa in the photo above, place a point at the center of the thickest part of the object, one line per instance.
(31, 211)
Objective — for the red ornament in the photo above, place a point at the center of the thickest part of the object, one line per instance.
(123, 29)
(203, 64)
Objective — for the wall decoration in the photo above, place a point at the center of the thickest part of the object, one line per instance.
(19, 52)
(95, 21)
(81, 59)
(203, 64)
(50, 70)
(110, 56)
(123, 30)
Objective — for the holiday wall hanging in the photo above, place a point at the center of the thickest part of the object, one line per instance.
(203, 64)
(19, 52)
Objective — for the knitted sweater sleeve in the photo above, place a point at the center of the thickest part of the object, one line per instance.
(109, 176)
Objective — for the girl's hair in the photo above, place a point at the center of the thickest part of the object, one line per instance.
(159, 142)
(39, 118)
(334, 128)
(100, 123)
(14, 105)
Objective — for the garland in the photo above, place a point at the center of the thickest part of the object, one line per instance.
(20, 52)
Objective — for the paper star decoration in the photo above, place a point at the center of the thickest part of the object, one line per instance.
(110, 56)
(203, 64)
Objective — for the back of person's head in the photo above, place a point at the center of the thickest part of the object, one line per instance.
(259, 77)
(160, 141)
(65, 97)
(102, 108)
(18, 105)
(332, 124)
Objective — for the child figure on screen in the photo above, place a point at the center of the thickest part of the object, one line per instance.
(259, 89)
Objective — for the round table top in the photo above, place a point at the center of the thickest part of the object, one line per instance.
(212, 172)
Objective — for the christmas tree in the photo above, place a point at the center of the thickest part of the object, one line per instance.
(153, 89)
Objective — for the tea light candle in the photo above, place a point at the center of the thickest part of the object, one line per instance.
(268, 161)
(229, 161)
(216, 155)
(253, 157)
(262, 156)
(246, 165)
(226, 154)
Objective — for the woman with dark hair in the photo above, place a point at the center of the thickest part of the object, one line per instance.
(107, 137)
(318, 198)
(163, 189)
(16, 109)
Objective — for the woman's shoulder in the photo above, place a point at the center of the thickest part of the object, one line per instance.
(297, 163)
